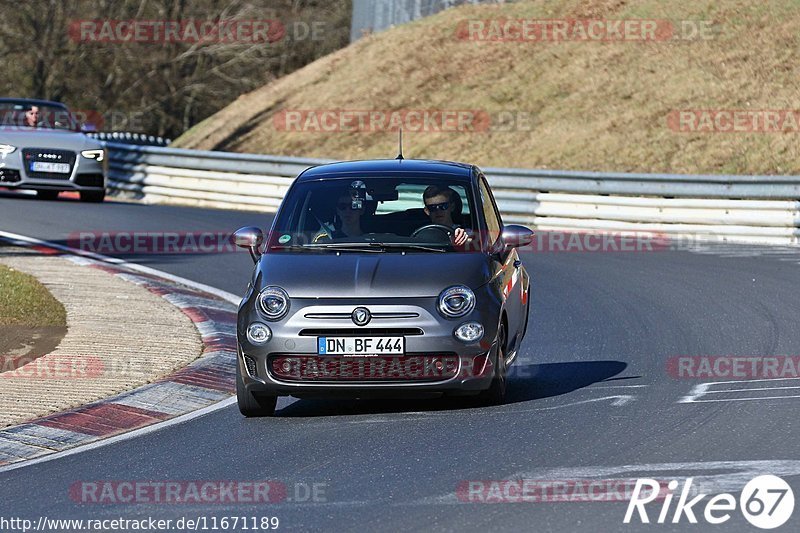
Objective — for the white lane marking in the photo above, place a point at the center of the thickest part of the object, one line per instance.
(713, 477)
(227, 296)
(750, 390)
(414, 416)
(745, 399)
(619, 401)
(122, 437)
(619, 387)
(696, 392)
(704, 389)
(232, 298)
(771, 380)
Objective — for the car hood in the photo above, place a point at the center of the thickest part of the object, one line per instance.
(311, 275)
(44, 138)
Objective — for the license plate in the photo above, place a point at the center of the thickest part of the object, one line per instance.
(45, 166)
(361, 345)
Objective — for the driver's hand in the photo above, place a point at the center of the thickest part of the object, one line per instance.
(460, 237)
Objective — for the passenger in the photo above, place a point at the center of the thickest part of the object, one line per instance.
(440, 204)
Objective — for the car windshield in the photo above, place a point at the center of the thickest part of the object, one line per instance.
(24, 114)
(374, 214)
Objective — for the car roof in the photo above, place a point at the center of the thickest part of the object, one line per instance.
(30, 101)
(376, 168)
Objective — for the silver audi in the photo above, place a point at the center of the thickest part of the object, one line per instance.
(43, 148)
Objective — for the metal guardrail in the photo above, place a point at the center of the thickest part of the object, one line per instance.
(751, 208)
(130, 138)
(372, 16)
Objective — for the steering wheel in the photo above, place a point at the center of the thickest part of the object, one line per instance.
(448, 231)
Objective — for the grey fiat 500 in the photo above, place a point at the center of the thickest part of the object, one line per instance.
(382, 278)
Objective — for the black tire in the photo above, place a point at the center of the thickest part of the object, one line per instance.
(249, 405)
(496, 393)
(47, 195)
(94, 197)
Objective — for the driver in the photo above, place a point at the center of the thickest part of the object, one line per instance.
(32, 117)
(440, 203)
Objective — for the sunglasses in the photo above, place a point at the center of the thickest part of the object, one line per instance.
(342, 206)
(438, 207)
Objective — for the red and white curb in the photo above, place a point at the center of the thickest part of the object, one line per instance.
(207, 381)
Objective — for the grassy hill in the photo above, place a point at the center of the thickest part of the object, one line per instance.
(590, 105)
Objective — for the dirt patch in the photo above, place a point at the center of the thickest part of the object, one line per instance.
(32, 321)
(591, 105)
(19, 345)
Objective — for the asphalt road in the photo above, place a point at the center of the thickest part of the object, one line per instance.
(591, 397)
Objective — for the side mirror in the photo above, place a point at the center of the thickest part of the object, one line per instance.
(249, 237)
(515, 236)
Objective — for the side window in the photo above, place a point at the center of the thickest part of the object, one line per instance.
(493, 223)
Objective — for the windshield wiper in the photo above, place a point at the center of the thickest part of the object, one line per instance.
(406, 246)
(340, 246)
(359, 246)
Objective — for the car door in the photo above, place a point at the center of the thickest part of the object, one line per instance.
(508, 277)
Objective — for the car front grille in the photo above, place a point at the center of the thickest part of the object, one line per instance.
(373, 369)
(8, 175)
(327, 332)
(48, 155)
(349, 316)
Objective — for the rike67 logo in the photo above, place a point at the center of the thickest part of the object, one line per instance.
(766, 502)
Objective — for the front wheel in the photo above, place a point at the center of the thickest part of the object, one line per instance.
(496, 393)
(250, 405)
(94, 197)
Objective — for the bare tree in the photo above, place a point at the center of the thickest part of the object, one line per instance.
(158, 86)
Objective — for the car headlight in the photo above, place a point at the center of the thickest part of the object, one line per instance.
(456, 301)
(273, 302)
(6, 149)
(97, 155)
(469, 332)
(258, 333)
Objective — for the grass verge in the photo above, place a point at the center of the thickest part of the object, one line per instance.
(26, 302)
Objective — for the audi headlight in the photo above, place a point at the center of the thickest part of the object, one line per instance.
(273, 302)
(456, 301)
(6, 149)
(97, 155)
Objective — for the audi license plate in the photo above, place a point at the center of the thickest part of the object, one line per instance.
(45, 166)
(361, 345)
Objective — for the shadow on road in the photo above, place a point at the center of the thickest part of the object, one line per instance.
(526, 383)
